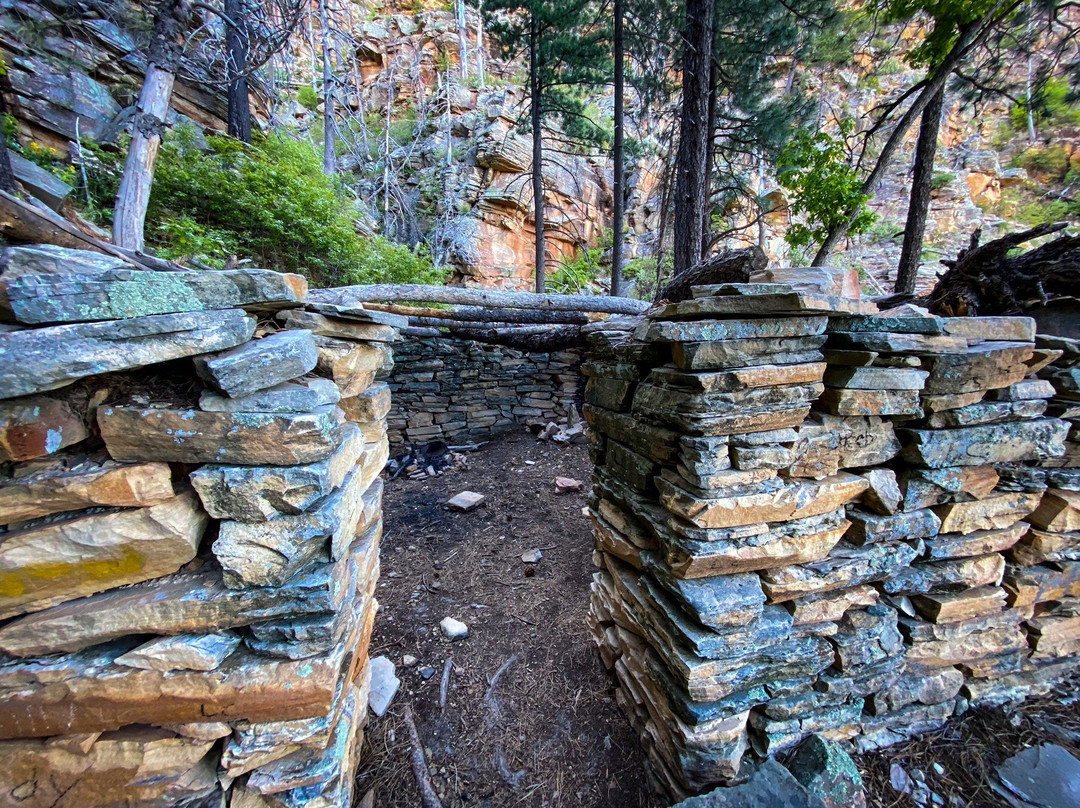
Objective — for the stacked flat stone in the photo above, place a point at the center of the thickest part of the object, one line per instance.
(802, 515)
(953, 502)
(191, 530)
(462, 391)
(710, 474)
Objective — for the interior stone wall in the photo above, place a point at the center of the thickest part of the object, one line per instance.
(462, 391)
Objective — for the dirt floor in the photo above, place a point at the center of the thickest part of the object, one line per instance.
(547, 732)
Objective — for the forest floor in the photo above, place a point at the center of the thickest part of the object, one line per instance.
(547, 733)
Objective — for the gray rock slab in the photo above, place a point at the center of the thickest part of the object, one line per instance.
(40, 359)
(134, 434)
(828, 772)
(360, 314)
(713, 330)
(771, 786)
(875, 378)
(269, 553)
(338, 327)
(47, 284)
(867, 527)
(719, 602)
(752, 352)
(260, 364)
(302, 395)
(180, 603)
(1045, 776)
(1036, 439)
(260, 493)
(190, 652)
(384, 685)
(887, 325)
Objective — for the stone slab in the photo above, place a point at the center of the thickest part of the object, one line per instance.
(35, 360)
(984, 445)
(736, 353)
(47, 284)
(302, 395)
(36, 426)
(992, 513)
(78, 482)
(876, 378)
(135, 434)
(186, 652)
(338, 327)
(869, 402)
(260, 493)
(260, 363)
(713, 330)
(47, 564)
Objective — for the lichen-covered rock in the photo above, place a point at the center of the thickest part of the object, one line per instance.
(37, 426)
(259, 364)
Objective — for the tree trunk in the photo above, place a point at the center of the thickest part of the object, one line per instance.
(710, 156)
(463, 40)
(166, 47)
(693, 134)
(537, 149)
(236, 44)
(618, 158)
(457, 295)
(329, 132)
(922, 182)
(969, 35)
(480, 44)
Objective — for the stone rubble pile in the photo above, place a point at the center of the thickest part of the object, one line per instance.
(802, 514)
(191, 519)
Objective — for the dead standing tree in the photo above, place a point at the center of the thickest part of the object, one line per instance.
(171, 20)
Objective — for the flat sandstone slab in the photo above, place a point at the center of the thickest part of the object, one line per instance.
(60, 288)
(259, 364)
(1036, 439)
(712, 330)
(190, 436)
(37, 426)
(59, 561)
(34, 360)
(90, 484)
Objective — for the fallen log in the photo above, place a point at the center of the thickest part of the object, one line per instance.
(428, 797)
(988, 280)
(539, 339)
(731, 266)
(456, 295)
(488, 315)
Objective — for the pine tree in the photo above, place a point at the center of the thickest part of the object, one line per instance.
(565, 44)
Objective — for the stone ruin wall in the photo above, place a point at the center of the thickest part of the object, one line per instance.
(462, 391)
(191, 511)
(845, 525)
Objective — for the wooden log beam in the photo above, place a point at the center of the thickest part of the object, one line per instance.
(528, 338)
(480, 314)
(455, 295)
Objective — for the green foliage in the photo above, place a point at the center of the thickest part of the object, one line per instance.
(642, 272)
(269, 200)
(947, 17)
(307, 97)
(1051, 161)
(824, 186)
(941, 179)
(48, 158)
(1051, 102)
(578, 276)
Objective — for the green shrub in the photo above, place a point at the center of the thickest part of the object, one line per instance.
(270, 201)
(1049, 161)
(941, 179)
(307, 97)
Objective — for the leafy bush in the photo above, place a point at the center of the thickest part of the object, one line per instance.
(1051, 104)
(272, 200)
(307, 97)
(1049, 161)
(941, 179)
(824, 185)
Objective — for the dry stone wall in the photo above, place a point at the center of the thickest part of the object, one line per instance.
(461, 391)
(813, 520)
(189, 549)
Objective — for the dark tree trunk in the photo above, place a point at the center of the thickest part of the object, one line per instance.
(970, 35)
(693, 134)
(922, 182)
(166, 47)
(535, 100)
(236, 43)
(618, 188)
(710, 156)
(7, 178)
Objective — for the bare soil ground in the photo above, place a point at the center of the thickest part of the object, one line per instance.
(548, 733)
